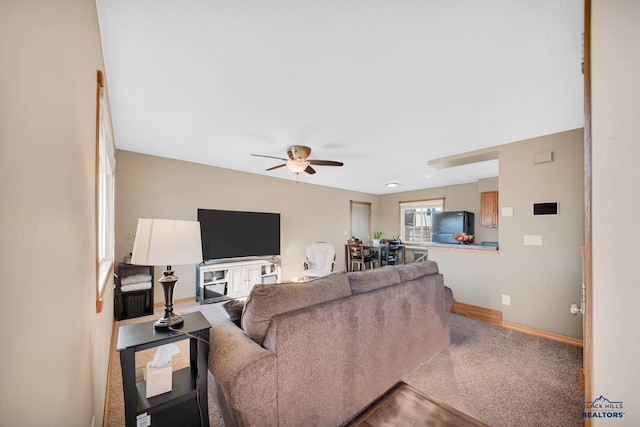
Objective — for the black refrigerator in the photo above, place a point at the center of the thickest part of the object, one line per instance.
(444, 224)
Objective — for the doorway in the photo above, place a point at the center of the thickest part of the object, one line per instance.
(360, 220)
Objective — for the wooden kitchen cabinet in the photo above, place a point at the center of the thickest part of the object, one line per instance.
(489, 209)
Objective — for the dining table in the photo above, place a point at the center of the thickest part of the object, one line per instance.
(376, 251)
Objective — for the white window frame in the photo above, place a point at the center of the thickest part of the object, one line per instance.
(105, 193)
(422, 234)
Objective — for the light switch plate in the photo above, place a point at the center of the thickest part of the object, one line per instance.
(507, 211)
(543, 158)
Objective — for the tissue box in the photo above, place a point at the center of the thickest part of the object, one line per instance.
(158, 379)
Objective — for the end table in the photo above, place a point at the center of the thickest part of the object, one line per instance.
(186, 404)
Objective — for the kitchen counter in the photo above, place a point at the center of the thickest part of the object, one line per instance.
(460, 247)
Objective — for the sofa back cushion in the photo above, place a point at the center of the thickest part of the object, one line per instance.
(418, 269)
(265, 301)
(370, 280)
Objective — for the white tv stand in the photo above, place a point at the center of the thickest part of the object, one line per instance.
(221, 280)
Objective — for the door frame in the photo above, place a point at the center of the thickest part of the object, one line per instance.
(587, 350)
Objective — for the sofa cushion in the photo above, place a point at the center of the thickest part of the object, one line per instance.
(369, 280)
(418, 269)
(265, 301)
(234, 309)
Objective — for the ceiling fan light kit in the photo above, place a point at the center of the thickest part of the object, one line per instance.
(297, 166)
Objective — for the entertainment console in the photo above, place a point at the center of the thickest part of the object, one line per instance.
(225, 280)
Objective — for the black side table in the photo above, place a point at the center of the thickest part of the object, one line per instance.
(188, 396)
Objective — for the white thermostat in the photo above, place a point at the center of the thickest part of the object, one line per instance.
(545, 208)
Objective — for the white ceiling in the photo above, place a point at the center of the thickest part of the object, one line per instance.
(383, 86)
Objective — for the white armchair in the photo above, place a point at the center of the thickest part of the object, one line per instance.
(321, 258)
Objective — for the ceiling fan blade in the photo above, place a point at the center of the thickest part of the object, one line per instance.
(269, 157)
(276, 167)
(310, 170)
(325, 162)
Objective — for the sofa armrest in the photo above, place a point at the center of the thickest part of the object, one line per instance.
(245, 372)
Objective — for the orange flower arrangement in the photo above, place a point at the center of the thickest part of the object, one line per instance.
(462, 237)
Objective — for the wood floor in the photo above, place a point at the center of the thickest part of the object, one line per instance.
(405, 406)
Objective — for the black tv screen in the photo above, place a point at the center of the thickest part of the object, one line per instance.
(233, 234)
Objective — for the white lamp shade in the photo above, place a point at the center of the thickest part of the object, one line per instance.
(167, 242)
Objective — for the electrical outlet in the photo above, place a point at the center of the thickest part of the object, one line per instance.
(506, 300)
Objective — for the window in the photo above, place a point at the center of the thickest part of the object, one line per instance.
(415, 219)
(105, 169)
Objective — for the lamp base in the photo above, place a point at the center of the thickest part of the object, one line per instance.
(170, 319)
(165, 323)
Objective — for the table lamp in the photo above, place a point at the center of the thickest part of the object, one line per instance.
(167, 242)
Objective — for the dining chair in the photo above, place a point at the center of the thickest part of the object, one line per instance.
(358, 256)
(389, 252)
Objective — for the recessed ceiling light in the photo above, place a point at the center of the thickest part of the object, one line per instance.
(391, 184)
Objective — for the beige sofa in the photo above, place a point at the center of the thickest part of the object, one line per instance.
(316, 353)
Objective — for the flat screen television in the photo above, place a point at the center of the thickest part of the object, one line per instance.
(234, 234)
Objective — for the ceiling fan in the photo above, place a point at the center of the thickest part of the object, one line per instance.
(299, 160)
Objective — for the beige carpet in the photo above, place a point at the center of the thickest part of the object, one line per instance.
(499, 376)
(504, 377)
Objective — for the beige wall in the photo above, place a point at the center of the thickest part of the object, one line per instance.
(155, 187)
(616, 205)
(54, 347)
(541, 281)
(544, 280)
